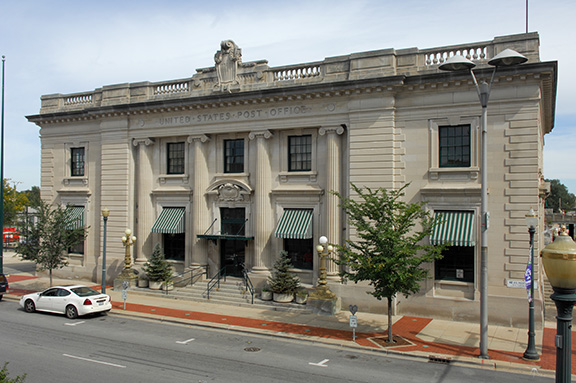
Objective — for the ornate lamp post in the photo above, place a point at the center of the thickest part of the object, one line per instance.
(531, 353)
(105, 214)
(507, 57)
(128, 240)
(322, 289)
(559, 260)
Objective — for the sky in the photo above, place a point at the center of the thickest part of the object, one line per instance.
(68, 46)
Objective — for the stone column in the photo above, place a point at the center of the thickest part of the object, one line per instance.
(144, 185)
(263, 214)
(333, 225)
(200, 211)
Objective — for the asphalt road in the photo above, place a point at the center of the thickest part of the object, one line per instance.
(115, 348)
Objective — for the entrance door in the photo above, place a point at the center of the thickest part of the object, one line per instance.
(232, 250)
(232, 256)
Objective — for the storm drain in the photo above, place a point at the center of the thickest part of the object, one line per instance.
(252, 349)
(438, 359)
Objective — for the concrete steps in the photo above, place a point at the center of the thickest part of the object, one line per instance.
(230, 293)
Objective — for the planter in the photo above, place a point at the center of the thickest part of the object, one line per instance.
(155, 285)
(167, 286)
(301, 299)
(283, 298)
(142, 282)
(266, 295)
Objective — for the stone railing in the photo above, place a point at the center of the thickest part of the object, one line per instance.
(171, 88)
(474, 53)
(258, 75)
(297, 72)
(78, 99)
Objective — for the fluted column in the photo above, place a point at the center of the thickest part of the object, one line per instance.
(200, 211)
(144, 186)
(263, 215)
(333, 171)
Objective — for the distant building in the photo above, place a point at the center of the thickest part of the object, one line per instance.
(236, 163)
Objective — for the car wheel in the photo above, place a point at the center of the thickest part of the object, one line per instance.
(71, 312)
(1, 296)
(29, 306)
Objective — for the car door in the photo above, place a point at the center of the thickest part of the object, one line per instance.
(61, 301)
(46, 299)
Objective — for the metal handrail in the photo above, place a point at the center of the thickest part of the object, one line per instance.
(248, 283)
(194, 274)
(215, 281)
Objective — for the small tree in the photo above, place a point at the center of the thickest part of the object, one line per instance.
(158, 268)
(389, 251)
(47, 239)
(283, 281)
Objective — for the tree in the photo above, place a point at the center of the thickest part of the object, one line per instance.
(33, 196)
(560, 197)
(14, 203)
(48, 238)
(158, 268)
(389, 251)
(283, 281)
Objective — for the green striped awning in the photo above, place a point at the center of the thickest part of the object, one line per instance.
(295, 224)
(75, 217)
(170, 221)
(456, 228)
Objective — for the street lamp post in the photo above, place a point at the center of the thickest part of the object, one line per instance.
(559, 260)
(2, 173)
(105, 214)
(508, 57)
(322, 289)
(531, 353)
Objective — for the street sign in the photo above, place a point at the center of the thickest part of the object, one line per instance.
(125, 286)
(353, 321)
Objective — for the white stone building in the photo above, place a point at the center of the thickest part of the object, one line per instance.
(232, 165)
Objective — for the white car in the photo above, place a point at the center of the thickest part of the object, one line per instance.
(74, 301)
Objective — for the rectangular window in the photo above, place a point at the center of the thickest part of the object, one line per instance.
(233, 221)
(234, 156)
(174, 246)
(301, 252)
(457, 264)
(77, 162)
(454, 146)
(175, 160)
(300, 153)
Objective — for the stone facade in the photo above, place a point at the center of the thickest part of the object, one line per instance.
(301, 131)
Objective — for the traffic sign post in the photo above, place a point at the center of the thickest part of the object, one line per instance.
(125, 285)
(353, 320)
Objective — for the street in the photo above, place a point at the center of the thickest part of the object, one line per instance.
(116, 348)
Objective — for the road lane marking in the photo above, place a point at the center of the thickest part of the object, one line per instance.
(94, 361)
(184, 341)
(321, 364)
(74, 324)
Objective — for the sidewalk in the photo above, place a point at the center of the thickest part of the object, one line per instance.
(428, 339)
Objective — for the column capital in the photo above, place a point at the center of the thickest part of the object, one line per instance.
(260, 134)
(339, 130)
(198, 138)
(143, 141)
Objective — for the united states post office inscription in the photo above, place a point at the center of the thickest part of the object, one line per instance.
(240, 115)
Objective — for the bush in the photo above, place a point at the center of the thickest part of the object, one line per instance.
(158, 268)
(283, 281)
(4, 378)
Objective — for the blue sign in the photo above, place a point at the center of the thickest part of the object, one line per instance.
(528, 280)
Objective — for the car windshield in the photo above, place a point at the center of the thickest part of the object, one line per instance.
(84, 291)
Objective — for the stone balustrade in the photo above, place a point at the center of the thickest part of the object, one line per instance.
(257, 75)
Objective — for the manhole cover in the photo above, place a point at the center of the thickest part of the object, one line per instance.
(252, 349)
